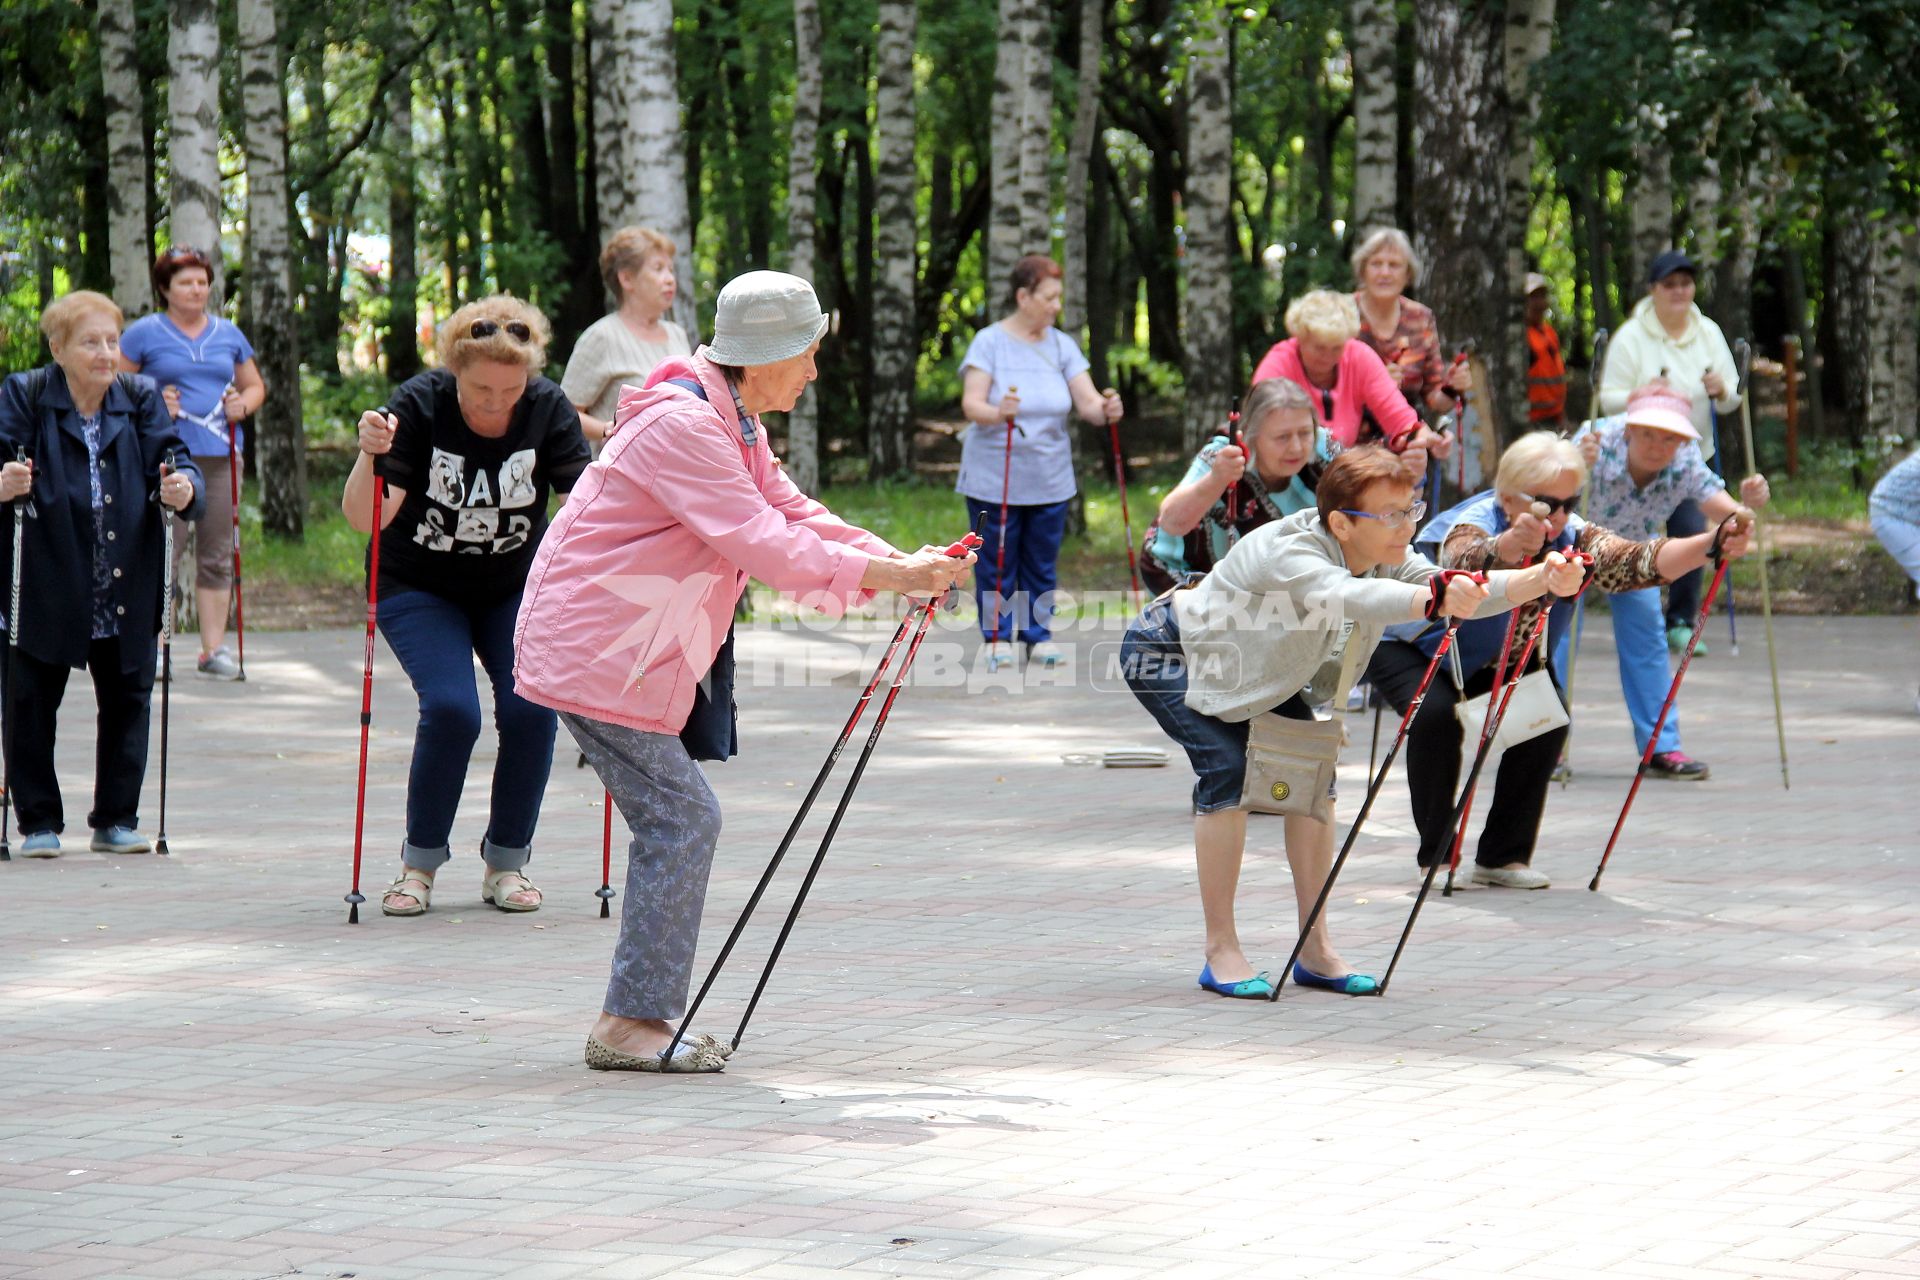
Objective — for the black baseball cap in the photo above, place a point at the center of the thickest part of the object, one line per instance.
(1669, 262)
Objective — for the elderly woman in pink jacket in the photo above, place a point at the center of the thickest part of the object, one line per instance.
(624, 628)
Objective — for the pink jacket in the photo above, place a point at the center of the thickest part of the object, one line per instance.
(633, 588)
(1361, 382)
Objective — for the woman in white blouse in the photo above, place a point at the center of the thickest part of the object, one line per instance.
(622, 348)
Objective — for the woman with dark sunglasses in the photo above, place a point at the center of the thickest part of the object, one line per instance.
(1527, 513)
(468, 454)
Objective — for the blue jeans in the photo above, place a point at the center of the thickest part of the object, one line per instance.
(436, 640)
(1902, 540)
(1640, 636)
(1023, 602)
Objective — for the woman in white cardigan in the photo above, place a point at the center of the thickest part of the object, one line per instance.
(1282, 622)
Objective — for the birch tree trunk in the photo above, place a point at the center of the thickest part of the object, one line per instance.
(1651, 205)
(1891, 328)
(279, 434)
(654, 149)
(403, 326)
(1460, 183)
(129, 247)
(803, 424)
(1372, 29)
(1849, 305)
(1529, 36)
(1086, 132)
(1005, 230)
(1211, 372)
(1036, 132)
(193, 115)
(895, 332)
(1905, 405)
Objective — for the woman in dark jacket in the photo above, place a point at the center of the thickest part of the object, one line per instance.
(84, 449)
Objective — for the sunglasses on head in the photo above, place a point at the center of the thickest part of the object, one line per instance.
(183, 251)
(1551, 504)
(487, 328)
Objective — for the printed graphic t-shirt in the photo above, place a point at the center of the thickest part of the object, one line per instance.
(475, 507)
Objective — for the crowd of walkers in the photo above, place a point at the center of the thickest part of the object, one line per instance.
(1298, 539)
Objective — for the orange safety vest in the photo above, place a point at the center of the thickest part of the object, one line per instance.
(1546, 375)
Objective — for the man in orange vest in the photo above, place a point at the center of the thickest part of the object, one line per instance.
(1546, 371)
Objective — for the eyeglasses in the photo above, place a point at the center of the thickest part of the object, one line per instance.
(487, 328)
(1391, 519)
(1551, 504)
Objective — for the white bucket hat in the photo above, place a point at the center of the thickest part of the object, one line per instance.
(764, 317)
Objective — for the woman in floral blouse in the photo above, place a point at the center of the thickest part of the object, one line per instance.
(1645, 464)
(1400, 330)
(1528, 512)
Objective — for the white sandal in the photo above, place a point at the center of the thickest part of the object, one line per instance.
(420, 899)
(497, 888)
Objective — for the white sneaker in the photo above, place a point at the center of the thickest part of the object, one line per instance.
(999, 654)
(1047, 654)
(1510, 877)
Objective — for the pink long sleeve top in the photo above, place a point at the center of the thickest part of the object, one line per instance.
(1361, 383)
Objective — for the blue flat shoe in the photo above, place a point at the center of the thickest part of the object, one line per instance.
(1258, 987)
(1354, 984)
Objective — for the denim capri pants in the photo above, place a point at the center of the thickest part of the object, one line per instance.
(1156, 671)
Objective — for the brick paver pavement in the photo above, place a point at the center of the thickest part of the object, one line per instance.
(984, 1054)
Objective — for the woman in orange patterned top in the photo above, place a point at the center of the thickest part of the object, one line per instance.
(1400, 330)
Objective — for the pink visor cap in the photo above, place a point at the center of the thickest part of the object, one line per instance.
(1662, 409)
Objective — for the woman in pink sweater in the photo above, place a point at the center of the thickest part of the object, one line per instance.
(625, 624)
(1354, 397)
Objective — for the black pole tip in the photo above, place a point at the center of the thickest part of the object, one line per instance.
(353, 914)
(1593, 885)
(160, 846)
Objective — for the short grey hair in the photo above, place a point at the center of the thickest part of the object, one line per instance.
(1385, 238)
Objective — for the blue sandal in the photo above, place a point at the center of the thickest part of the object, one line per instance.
(1258, 987)
(1354, 984)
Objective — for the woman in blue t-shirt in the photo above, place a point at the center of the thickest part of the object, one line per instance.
(1025, 371)
(206, 373)
(468, 455)
(1220, 499)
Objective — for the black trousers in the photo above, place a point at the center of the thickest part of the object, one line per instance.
(1434, 751)
(1683, 597)
(32, 691)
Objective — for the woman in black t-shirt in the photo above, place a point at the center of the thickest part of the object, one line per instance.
(468, 454)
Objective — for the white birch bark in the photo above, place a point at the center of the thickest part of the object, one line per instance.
(895, 333)
(1650, 206)
(280, 438)
(611, 27)
(655, 152)
(1905, 406)
(803, 424)
(1036, 132)
(1004, 228)
(129, 250)
(1086, 129)
(1890, 326)
(1529, 35)
(193, 114)
(1372, 28)
(1209, 253)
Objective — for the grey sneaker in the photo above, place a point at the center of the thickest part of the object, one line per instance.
(219, 665)
(1510, 877)
(41, 844)
(119, 840)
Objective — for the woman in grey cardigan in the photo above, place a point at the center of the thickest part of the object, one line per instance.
(1281, 624)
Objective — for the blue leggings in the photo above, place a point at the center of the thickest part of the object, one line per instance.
(436, 640)
(1024, 599)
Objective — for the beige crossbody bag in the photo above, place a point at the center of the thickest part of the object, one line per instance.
(1290, 763)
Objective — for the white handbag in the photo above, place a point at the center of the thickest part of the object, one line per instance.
(1534, 709)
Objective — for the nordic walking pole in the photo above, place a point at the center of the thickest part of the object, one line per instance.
(13, 653)
(1373, 790)
(1465, 812)
(1596, 366)
(166, 654)
(1120, 478)
(1000, 594)
(1653, 738)
(839, 812)
(970, 541)
(1487, 733)
(1744, 354)
(1435, 467)
(605, 891)
(354, 896)
(1233, 490)
(239, 593)
(1720, 469)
